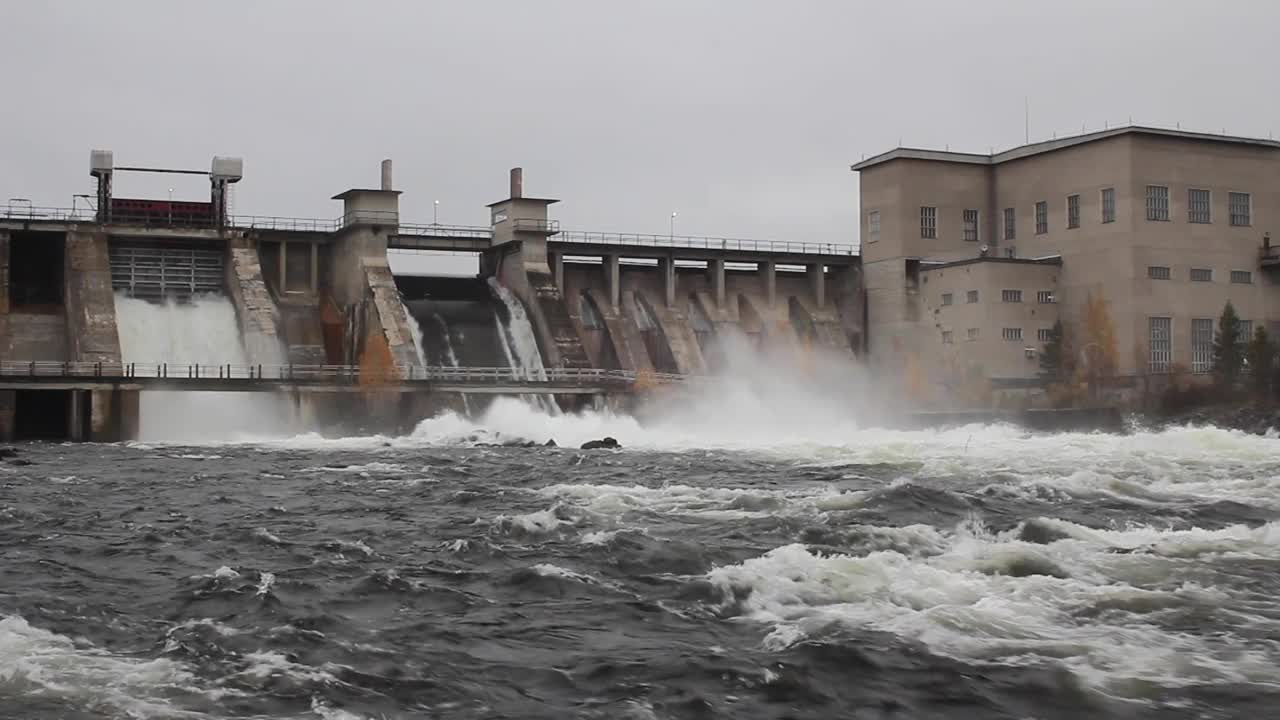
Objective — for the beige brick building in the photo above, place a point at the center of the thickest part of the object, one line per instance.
(969, 259)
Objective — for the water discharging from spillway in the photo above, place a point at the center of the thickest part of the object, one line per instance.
(202, 331)
(466, 323)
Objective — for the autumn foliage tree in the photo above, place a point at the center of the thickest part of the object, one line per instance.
(1099, 350)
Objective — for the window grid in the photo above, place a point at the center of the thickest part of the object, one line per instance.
(1201, 274)
(1238, 205)
(1198, 206)
(1044, 335)
(947, 298)
(1159, 334)
(929, 223)
(1246, 332)
(1073, 211)
(971, 297)
(1158, 272)
(972, 333)
(1010, 224)
(873, 226)
(1108, 205)
(1042, 217)
(1045, 297)
(1011, 333)
(1011, 296)
(947, 337)
(971, 225)
(1201, 344)
(1157, 202)
(1242, 277)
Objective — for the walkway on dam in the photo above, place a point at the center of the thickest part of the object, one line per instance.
(318, 378)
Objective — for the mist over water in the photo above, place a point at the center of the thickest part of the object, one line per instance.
(203, 331)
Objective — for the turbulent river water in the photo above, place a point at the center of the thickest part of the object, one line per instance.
(978, 572)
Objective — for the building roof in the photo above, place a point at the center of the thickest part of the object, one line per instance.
(360, 191)
(1051, 145)
(943, 264)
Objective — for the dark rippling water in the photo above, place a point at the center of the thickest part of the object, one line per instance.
(975, 574)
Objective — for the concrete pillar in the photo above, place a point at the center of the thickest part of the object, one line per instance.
(282, 287)
(716, 268)
(100, 416)
(8, 404)
(817, 273)
(769, 278)
(668, 267)
(4, 272)
(128, 413)
(75, 415)
(315, 268)
(613, 279)
(557, 269)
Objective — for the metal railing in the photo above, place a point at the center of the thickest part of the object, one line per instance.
(704, 243)
(549, 227)
(291, 224)
(322, 374)
(34, 212)
(477, 232)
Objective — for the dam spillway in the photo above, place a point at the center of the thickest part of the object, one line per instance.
(320, 295)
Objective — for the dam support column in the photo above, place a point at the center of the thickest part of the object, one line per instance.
(613, 280)
(255, 309)
(76, 401)
(716, 268)
(817, 273)
(8, 403)
(557, 269)
(769, 279)
(93, 335)
(667, 266)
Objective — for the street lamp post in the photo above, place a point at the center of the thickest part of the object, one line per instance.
(435, 213)
(170, 206)
(672, 237)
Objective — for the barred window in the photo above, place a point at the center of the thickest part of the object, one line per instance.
(1011, 296)
(873, 226)
(972, 333)
(1238, 204)
(1242, 277)
(947, 298)
(947, 337)
(1044, 335)
(1010, 224)
(1246, 331)
(971, 225)
(1158, 272)
(1108, 205)
(1198, 206)
(1201, 274)
(1201, 344)
(971, 297)
(1073, 211)
(929, 222)
(1045, 297)
(1042, 217)
(1160, 332)
(1157, 202)
(1011, 333)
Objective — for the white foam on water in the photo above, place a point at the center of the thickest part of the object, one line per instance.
(205, 332)
(541, 522)
(521, 345)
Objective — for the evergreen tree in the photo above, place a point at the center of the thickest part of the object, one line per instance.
(1228, 348)
(1261, 356)
(1052, 361)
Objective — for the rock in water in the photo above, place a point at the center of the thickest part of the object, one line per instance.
(7, 452)
(606, 443)
(550, 443)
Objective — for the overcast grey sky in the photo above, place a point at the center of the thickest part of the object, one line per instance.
(742, 116)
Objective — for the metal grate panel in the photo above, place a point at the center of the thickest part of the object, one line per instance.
(154, 273)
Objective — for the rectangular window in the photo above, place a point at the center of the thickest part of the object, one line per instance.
(947, 337)
(1201, 274)
(1044, 335)
(1238, 205)
(873, 226)
(971, 297)
(1010, 296)
(1160, 333)
(1157, 202)
(1011, 333)
(1158, 272)
(1242, 277)
(1198, 206)
(1010, 224)
(1044, 297)
(929, 222)
(971, 225)
(1201, 345)
(1073, 211)
(972, 333)
(947, 298)
(1108, 205)
(1042, 217)
(1246, 331)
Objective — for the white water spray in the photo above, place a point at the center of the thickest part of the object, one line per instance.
(203, 331)
(521, 346)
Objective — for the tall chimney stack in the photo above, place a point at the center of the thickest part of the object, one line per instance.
(386, 174)
(517, 183)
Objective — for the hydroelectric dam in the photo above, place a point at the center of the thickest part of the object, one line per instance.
(116, 315)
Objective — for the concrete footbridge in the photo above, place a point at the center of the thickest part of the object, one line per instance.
(38, 375)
